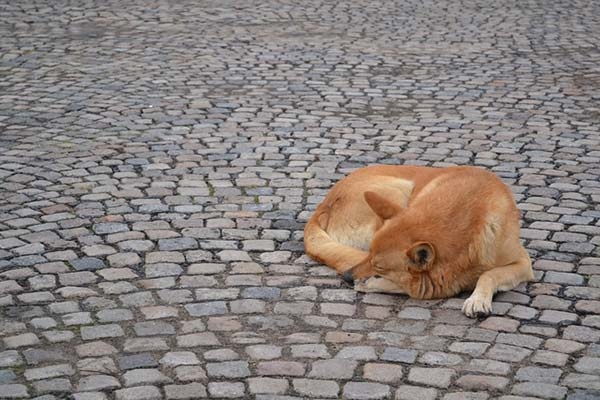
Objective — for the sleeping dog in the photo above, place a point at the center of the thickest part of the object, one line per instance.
(426, 232)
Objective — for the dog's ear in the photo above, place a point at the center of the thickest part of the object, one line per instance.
(421, 254)
(384, 208)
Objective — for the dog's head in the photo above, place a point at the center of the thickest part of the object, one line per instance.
(400, 250)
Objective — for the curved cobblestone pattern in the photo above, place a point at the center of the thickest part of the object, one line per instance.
(158, 161)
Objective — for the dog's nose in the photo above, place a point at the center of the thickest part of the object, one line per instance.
(347, 277)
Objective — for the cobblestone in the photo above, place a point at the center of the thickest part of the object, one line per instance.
(226, 389)
(399, 355)
(189, 391)
(267, 385)
(536, 374)
(365, 390)
(228, 369)
(333, 369)
(544, 390)
(14, 391)
(10, 358)
(482, 382)
(144, 375)
(281, 368)
(381, 372)
(437, 377)
(137, 361)
(407, 392)
(101, 331)
(97, 382)
(316, 388)
(104, 365)
(138, 393)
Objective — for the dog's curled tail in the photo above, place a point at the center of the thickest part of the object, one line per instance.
(322, 247)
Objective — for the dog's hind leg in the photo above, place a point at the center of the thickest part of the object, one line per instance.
(320, 246)
(497, 279)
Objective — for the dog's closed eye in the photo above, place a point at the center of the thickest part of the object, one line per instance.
(378, 268)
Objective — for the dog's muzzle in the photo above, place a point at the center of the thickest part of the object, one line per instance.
(347, 277)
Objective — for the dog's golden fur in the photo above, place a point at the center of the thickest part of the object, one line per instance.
(426, 232)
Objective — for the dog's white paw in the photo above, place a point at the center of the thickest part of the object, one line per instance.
(364, 286)
(477, 305)
(376, 284)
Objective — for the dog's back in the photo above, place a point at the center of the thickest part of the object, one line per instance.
(427, 232)
(463, 208)
(340, 231)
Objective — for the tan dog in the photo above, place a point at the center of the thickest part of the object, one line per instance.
(426, 232)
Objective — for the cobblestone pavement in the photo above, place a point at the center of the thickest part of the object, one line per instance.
(158, 161)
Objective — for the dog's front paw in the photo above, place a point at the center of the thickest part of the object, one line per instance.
(376, 284)
(363, 286)
(477, 306)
